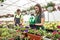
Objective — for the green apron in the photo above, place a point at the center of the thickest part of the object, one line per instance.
(38, 20)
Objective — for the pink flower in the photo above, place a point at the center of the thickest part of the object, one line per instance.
(17, 30)
(55, 32)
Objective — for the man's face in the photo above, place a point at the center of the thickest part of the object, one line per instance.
(18, 12)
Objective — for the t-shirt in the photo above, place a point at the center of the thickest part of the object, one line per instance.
(17, 16)
(42, 15)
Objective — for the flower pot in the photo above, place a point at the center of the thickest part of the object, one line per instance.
(11, 39)
(34, 37)
(0, 38)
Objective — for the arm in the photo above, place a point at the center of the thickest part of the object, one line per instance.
(14, 18)
(21, 19)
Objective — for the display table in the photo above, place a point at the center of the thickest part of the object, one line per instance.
(7, 19)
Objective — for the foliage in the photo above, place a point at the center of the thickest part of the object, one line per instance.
(56, 36)
(50, 5)
(49, 35)
(2, 0)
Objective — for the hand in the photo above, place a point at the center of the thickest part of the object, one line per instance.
(39, 24)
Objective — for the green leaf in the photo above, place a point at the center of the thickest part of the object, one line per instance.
(2, 0)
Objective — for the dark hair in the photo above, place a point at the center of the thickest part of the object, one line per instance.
(18, 10)
(58, 7)
(40, 8)
(32, 14)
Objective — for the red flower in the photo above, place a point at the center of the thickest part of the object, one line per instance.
(58, 32)
(58, 26)
(59, 39)
(17, 30)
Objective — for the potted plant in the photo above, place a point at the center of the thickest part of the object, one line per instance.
(50, 6)
(42, 32)
(17, 28)
(31, 31)
(17, 38)
(10, 37)
(4, 38)
(56, 36)
(49, 35)
(23, 29)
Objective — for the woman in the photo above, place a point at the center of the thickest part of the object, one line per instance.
(17, 17)
(39, 18)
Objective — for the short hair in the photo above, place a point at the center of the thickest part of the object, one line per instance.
(18, 10)
(58, 7)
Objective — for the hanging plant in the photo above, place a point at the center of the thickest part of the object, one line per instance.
(2, 0)
(50, 6)
(31, 8)
(28, 9)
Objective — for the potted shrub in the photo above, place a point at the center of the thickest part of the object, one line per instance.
(56, 36)
(10, 37)
(31, 31)
(4, 38)
(32, 34)
(10, 26)
(17, 28)
(49, 35)
(17, 38)
(34, 37)
(42, 32)
(23, 29)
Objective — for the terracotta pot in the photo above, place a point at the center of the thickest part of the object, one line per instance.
(11, 39)
(0, 38)
(34, 37)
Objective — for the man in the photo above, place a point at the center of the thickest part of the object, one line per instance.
(17, 17)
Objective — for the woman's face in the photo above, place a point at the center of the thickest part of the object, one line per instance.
(36, 8)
